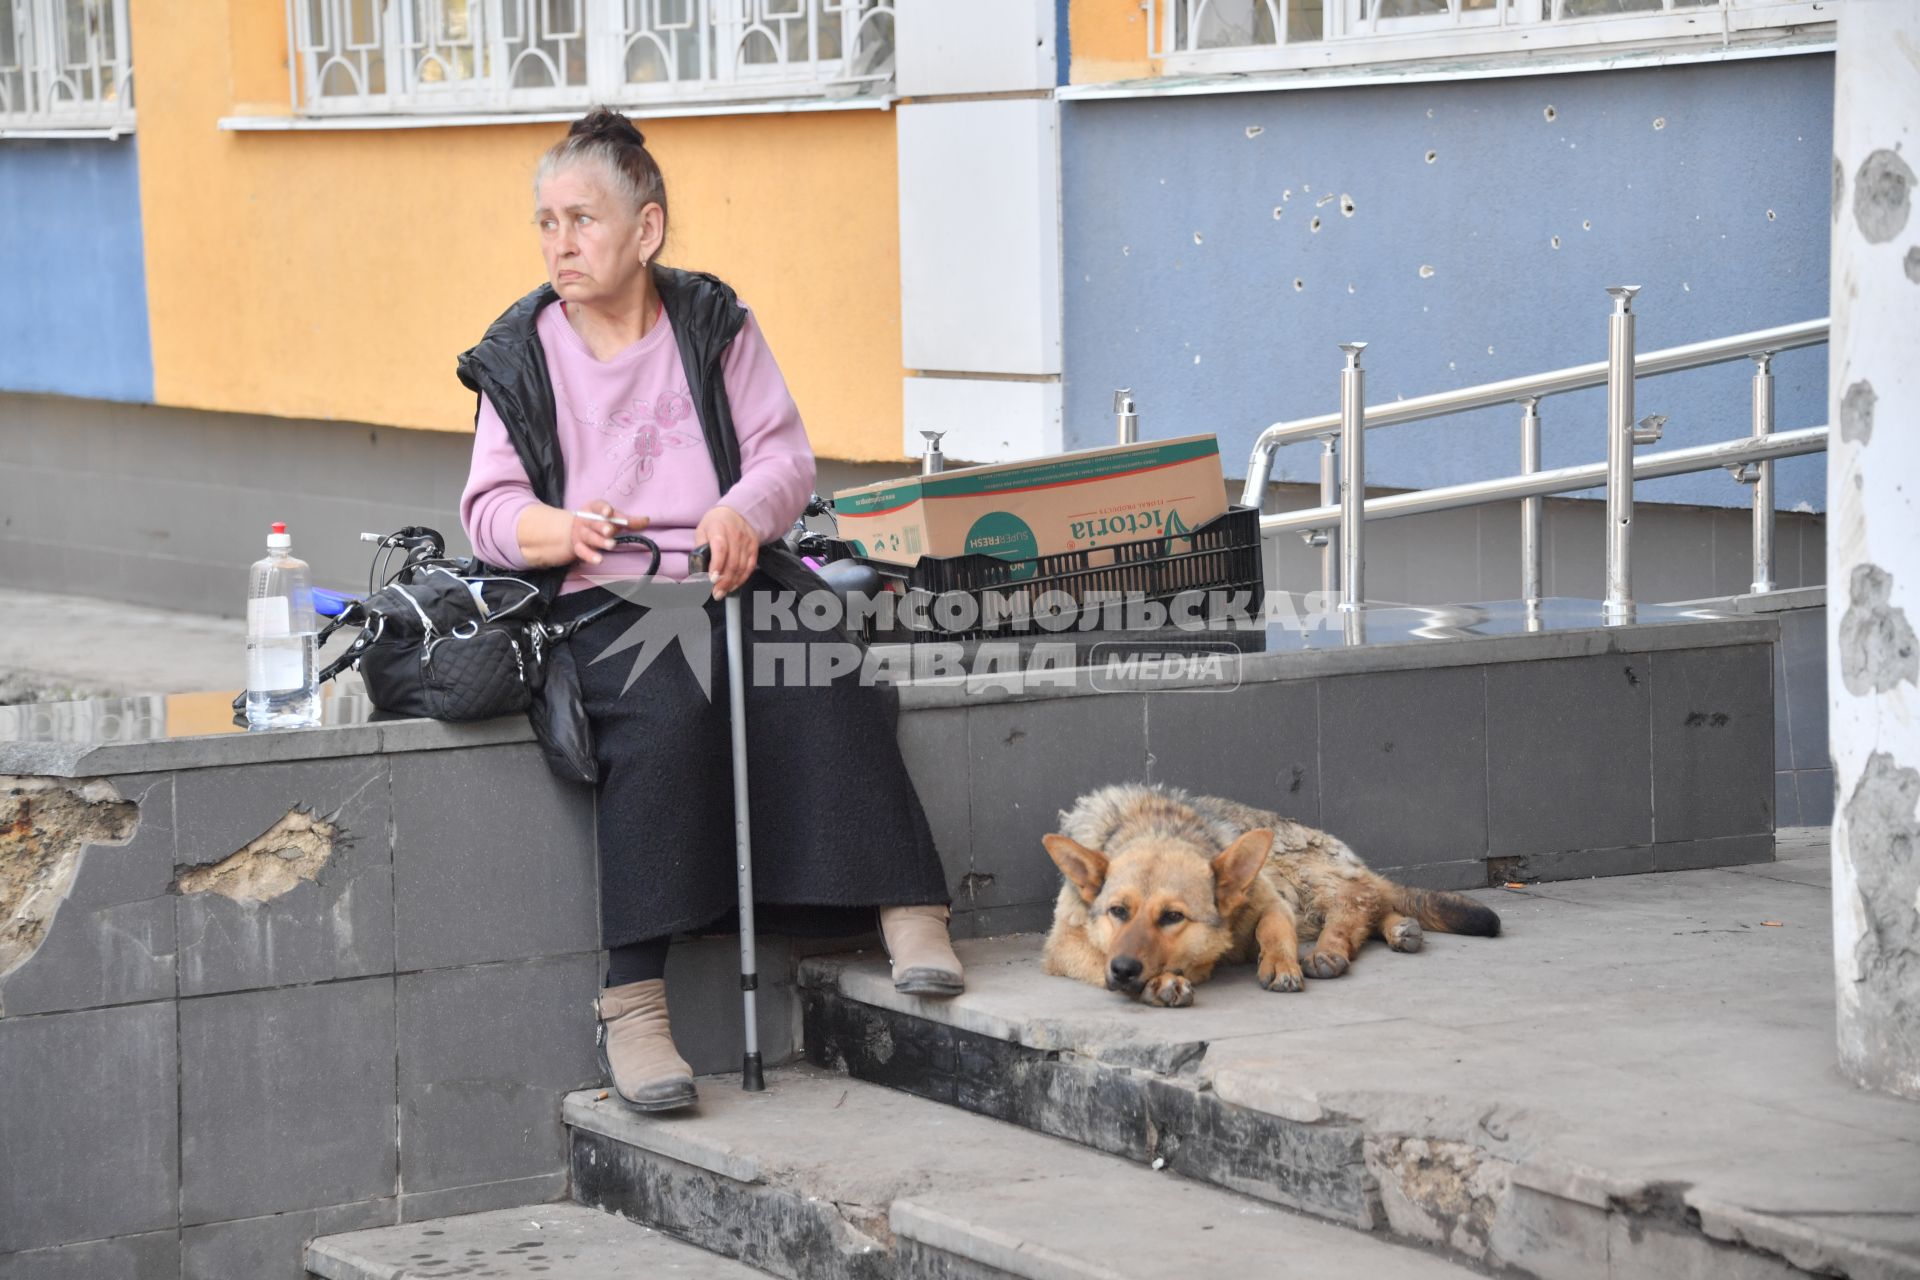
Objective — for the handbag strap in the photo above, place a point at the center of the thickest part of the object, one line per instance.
(600, 611)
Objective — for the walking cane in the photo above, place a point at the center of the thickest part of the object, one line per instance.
(751, 1077)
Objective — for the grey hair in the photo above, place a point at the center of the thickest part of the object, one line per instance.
(609, 139)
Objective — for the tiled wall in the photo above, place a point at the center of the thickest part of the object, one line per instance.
(1454, 777)
(201, 1082)
(1803, 771)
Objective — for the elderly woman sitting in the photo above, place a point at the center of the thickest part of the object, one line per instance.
(643, 394)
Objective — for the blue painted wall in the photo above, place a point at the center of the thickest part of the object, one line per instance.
(1707, 184)
(72, 271)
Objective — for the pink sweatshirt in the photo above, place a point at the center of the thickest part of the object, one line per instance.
(629, 435)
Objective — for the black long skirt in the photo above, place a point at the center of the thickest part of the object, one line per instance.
(837, 829)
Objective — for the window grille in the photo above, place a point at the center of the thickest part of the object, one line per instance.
(396, 56)
(1203, 36)
(65, 65)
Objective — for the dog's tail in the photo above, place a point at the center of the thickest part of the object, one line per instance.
(1446, 912)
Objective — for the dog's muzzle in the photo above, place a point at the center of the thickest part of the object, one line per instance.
(1124, 974)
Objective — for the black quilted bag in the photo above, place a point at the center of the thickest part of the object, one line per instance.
(447, 640)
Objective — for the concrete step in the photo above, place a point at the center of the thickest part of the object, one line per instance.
(1634, 1080)
(823, 1176)
(545, 1242)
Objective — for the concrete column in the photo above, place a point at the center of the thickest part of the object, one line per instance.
(979, 174)
(1873, 541)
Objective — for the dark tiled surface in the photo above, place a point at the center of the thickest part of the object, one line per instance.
(272, 1248)
(1786, 800)
(1782, 710)
(1727, 851)
(1803, 648)
(88, 1126)
(1568, 765)
(1816, 796)
(1712, 743)
(338, 925)
(477, 1106)
(483, 1198)
(286, 1099)
(1259, 745)
(706, 1009)
(1404, 759)
(1579, 865)
(523, 883)
(1030, 760)
(1470, 873)
(1017, 917)
(934, 745)
(152, 1256)
(112, 941)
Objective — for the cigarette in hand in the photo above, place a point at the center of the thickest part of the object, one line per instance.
(621, 521)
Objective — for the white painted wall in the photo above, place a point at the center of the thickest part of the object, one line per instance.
(1873, 541)
(985, 420)
(980, 236)
(980, 271)
(973, 46)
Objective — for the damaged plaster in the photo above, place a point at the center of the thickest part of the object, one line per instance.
(46, 825)
(1440, 1191)
(272, 863)
(1856, 412)
(1882, 196)
(1877, 646)
(1883, 843)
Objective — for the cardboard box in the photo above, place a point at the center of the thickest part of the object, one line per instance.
(1016, 510)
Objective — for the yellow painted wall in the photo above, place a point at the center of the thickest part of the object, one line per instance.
(1108, 41)
(337, 275)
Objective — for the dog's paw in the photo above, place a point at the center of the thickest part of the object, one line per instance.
(1282, 979)
(1406, 936)
(1326, 964)
(1170, 989)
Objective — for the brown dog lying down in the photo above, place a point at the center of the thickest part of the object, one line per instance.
(1163, 885)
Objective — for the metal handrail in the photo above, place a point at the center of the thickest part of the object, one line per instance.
(1338, 524)
(1693, 355)
(1540, 484)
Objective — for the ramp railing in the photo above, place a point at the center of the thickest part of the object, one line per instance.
(1337, 526)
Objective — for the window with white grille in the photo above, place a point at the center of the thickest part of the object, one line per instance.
(65, 65)
(1205, 36)
(378, 56)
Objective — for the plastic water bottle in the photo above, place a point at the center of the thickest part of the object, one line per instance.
(281, 629)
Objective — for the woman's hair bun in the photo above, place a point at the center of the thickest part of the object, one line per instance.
(606, 124)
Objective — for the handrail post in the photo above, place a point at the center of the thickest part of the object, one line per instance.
(1763, 483)
(1618, 606)
(1530, 508)
(1329, 538)
(1353, 478)
(1126, 417)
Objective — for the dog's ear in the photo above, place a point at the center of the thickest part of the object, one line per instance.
(1235, 867)
(1086, 868)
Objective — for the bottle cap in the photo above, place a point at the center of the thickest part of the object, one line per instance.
(277, 539)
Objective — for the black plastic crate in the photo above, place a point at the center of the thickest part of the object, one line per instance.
(1209, 563)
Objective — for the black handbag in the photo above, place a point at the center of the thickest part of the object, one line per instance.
(451, 639)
